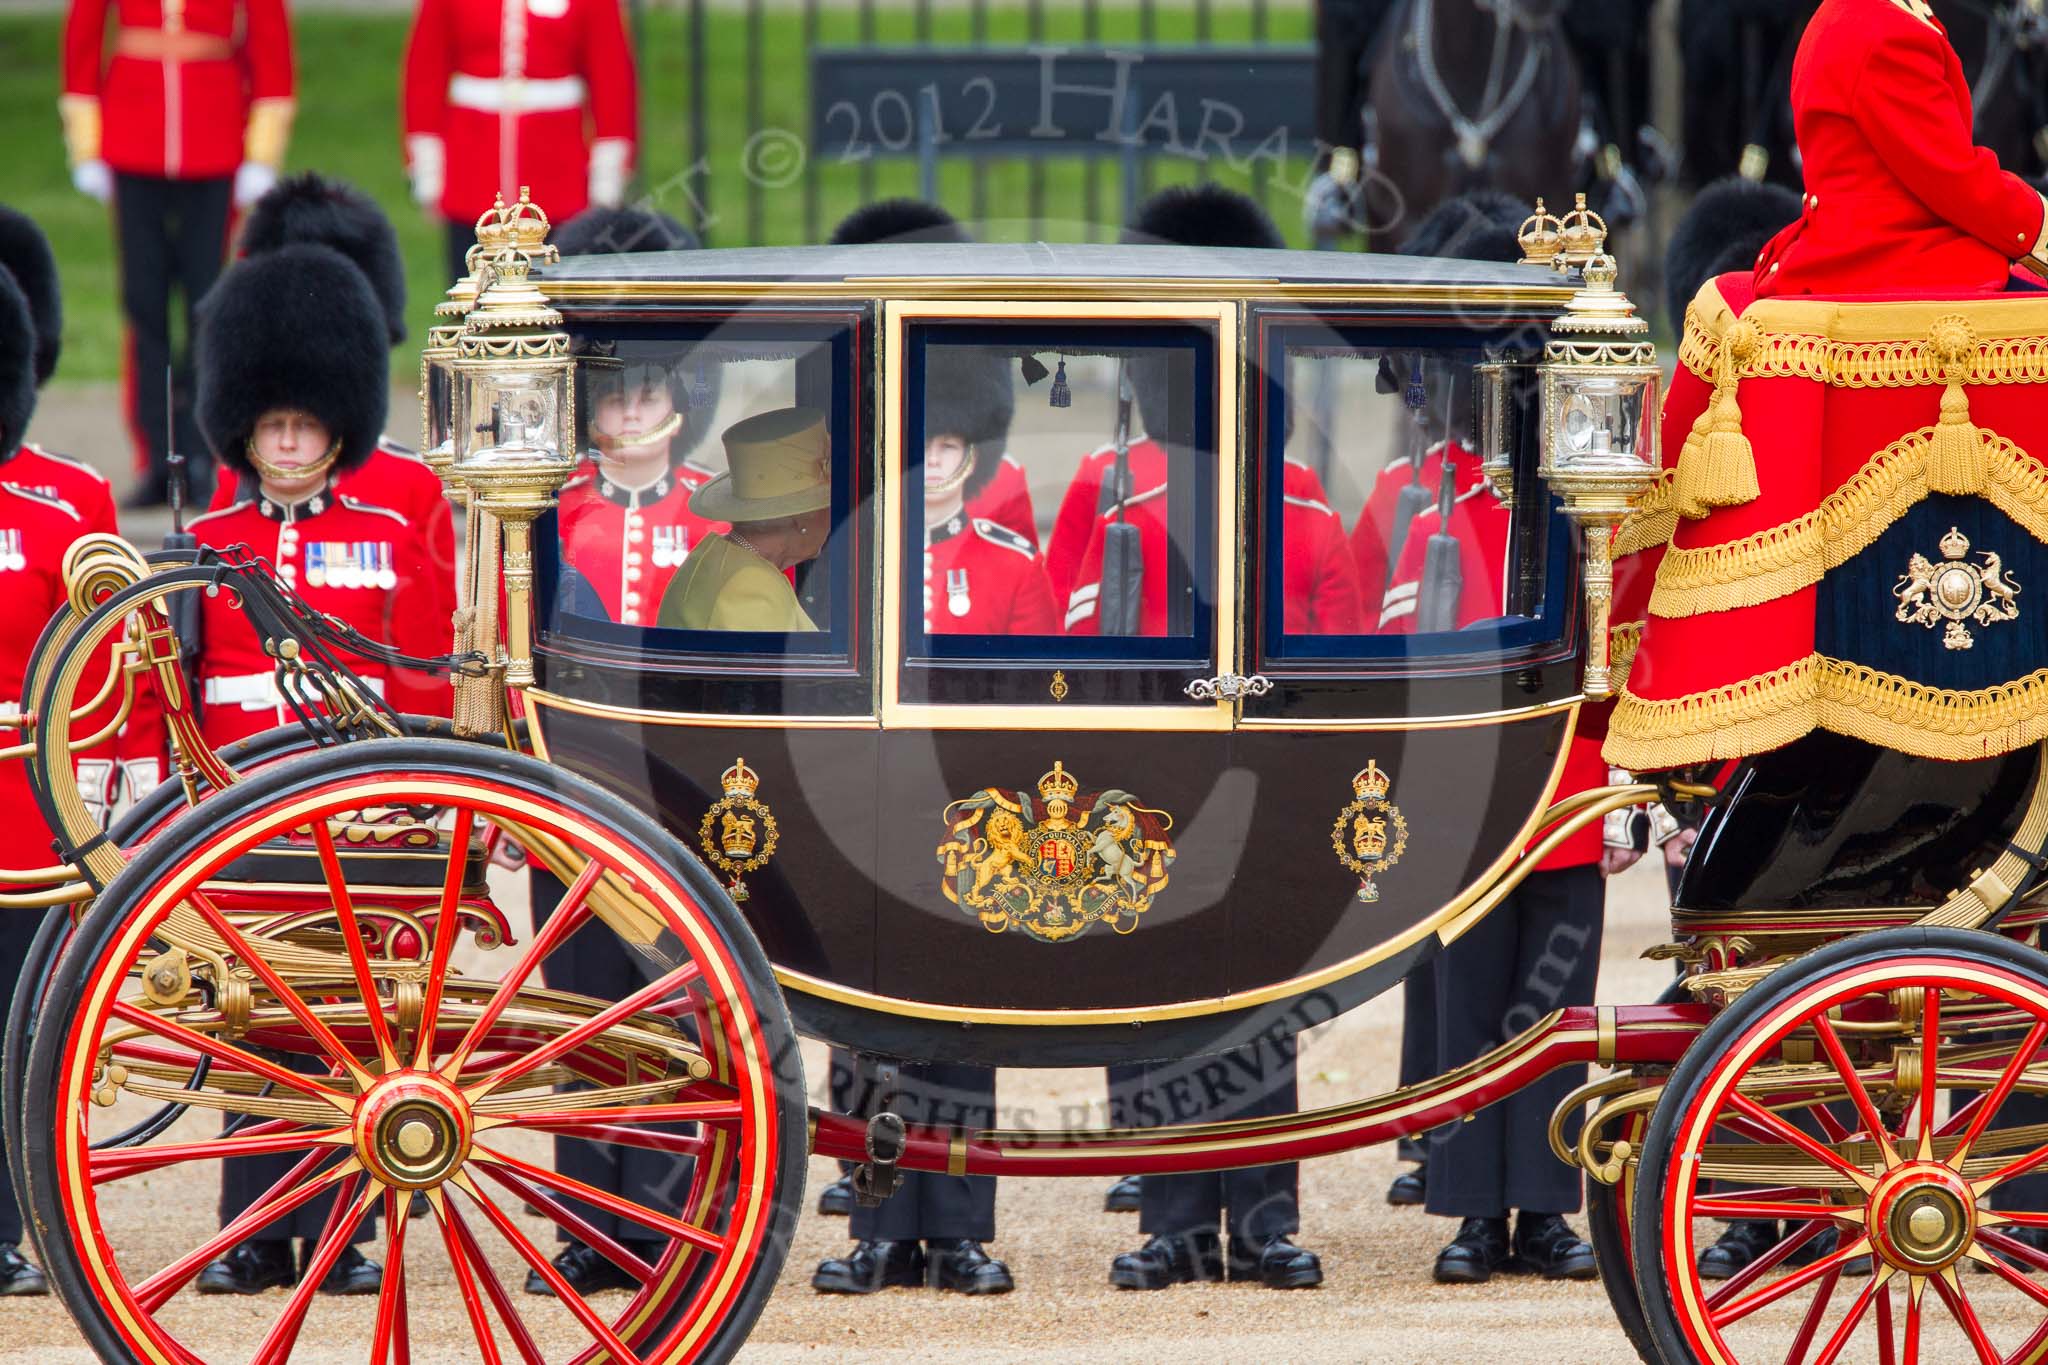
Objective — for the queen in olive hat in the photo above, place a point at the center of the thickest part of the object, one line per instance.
(777, 494)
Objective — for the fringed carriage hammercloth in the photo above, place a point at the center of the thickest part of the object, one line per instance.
(1853, 535)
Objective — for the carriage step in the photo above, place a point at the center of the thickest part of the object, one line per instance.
(877, 1178)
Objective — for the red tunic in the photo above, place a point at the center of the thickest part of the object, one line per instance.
(346, 556)
(35, 531)
(982, 578)
(1373, 536)
(629, 542)
(1899, 196)
(176, 97)
(517, 91)
(1320, 581)
(1006, 500)
(395, 477)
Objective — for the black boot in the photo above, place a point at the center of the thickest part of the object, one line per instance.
(1275, 1262)
(1738, 1245)
(961, 1265)
(587, 1270)
(836, 1199)
(1410, 1188)
(871, 1266)
(251, 1268)
(1168, 1260)
(1124, 1197)
(351, 1273)
(1546, 1244)
(1479, 1249)
(19, 1279)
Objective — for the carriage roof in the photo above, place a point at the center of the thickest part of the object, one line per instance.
(1065, 269)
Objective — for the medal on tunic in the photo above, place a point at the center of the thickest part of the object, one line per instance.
(387, 576)
(11, 556)
(316, 564)
(956, 592)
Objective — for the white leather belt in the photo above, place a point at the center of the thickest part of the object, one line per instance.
(496, 95)
(258, 691)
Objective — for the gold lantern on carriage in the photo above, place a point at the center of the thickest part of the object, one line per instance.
(512, 430)
(1601, 383)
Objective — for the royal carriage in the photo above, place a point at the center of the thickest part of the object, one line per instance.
(1213, 819)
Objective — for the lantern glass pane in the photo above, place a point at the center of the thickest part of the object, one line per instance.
(1599, 416)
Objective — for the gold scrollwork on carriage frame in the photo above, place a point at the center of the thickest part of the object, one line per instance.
(738, 833)
(1371, 834)
(1029, 863)
(1955, 592)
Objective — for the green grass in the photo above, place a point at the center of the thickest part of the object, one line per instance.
(348, 126)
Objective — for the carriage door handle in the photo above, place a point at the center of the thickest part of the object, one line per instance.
(1228, 687)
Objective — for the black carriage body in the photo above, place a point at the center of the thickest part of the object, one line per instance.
(877, 747)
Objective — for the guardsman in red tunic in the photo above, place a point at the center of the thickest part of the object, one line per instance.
(625, 520)
(185, 121)
(293, 387)
(501, 94)
(323, 211)
(980, 576)
(1376, 538)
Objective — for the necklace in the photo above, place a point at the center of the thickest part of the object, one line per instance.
(749, 546)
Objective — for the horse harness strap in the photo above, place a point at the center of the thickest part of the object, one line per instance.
(1475, 135)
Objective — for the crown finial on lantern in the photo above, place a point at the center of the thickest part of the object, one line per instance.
(1582, 234)
(739, 779)
(1541, 236)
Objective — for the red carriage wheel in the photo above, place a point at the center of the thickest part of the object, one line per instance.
(1609, 1229)
(248, 965)
(1874, 1102)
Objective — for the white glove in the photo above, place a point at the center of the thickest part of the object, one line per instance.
(608, 159)
(253, 180)
(426, 161)
(93, 179)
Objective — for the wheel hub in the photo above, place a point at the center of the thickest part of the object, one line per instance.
(1922, 1217)
(412, 1130)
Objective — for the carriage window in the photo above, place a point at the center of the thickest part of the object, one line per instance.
(1385, 538)
(708, 512)
(1058, 492)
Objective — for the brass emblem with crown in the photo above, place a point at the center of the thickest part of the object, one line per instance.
(1052, 863)
(1371, 834)
(738, 832)
(1956, 594)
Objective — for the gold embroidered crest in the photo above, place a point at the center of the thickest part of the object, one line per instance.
(1029, 863)
(1371, 834)
(738, 833)
(1955, 593)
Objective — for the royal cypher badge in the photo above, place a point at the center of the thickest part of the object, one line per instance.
(738, 832)
(1029, 863)
(1371, 834)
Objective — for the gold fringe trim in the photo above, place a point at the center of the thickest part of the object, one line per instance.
(1773, 709)
(1798, 554)
(1717, 467)
(1955, 460)
(1622, 643)
(1904, 362)
(1652, 521)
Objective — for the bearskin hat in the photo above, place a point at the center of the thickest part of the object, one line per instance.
(297, 327)
(968, 393)
(899, 220)
(1482, 226)
(17, 366)
(1725, 229)
(25, 254)
(333, 213)
(692, 389)
(1203, 215)
(618, 232)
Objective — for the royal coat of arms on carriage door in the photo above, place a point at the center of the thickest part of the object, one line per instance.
(1053, 862)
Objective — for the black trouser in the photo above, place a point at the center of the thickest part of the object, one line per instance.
(1418, 1046)
(460, 237)
(1252, 1082)
(170, 234)
(244, 1180)
(928, 1205)
(1345, 30)
(1538, 951)
(596, 962)
(17, 930)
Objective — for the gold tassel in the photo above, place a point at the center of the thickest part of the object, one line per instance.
(1957, 461)
(1717, 467)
